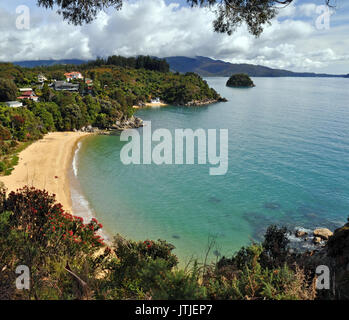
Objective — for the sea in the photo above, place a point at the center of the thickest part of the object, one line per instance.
(288, 165)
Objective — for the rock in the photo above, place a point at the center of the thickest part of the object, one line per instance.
(272, 205)
(323, 233)
(198, 103)
(300, 234)
(217, 253)
(317, 240)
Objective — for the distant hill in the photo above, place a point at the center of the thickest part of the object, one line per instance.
(204, 66)
(46, 63)
(217, 68)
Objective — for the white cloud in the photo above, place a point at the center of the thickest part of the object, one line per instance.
(154, 28)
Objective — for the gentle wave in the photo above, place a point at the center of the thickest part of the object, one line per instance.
(81, 206)
(75, 159)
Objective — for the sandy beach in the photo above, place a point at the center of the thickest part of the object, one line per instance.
(152, 105)
(45, 165)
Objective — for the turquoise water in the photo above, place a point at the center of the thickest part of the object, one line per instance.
(288, 164)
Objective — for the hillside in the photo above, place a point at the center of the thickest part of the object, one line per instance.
(203, 66)
(47, 63)
(207, 67)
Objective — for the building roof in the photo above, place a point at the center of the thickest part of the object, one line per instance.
(72, 74)
(62, 85)
(27, 93)
(14, 103)
(32, 97)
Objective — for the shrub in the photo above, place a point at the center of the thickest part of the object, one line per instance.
(2, 166)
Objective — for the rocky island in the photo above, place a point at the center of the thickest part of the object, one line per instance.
(240, 80)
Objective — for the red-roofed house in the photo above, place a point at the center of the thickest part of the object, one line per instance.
(28, 93)
(73, 75)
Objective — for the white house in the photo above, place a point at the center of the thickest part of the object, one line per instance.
(26, 90)
(41, 78)
(14, 104)
(156, 101)
(73, 76)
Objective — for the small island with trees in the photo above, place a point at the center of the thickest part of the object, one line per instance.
(240, 80)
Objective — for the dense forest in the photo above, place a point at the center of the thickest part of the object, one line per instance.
(115, 86)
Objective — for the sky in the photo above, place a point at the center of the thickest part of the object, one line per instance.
(299, 38)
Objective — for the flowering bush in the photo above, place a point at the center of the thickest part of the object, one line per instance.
(45, 222)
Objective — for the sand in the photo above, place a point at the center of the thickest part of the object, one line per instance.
(45, 165)
(152, 105)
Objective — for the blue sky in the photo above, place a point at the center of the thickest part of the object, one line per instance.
(165, 28)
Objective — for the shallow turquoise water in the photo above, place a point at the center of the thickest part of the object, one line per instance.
(288, 164)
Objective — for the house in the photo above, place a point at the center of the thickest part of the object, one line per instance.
(14, 104)
(28, 93)
(25, 90)
(73, 75)
(89, 84)
(156, 101)
(65, 86)
(88, 81)
(41, 78)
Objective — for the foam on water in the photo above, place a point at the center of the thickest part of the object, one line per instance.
(81, 206)
(75, 159)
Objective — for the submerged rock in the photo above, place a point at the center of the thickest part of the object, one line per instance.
(272, 205)
(217, 253)
(214, 200)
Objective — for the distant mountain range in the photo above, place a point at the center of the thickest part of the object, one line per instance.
(204, 66)
(207, 67)
(47, 63)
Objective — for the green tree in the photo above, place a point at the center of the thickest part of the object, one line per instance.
(8, 90)
(46, 93)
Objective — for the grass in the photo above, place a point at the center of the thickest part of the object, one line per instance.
(11, 160)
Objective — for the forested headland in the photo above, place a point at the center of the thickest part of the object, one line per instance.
(107, 91)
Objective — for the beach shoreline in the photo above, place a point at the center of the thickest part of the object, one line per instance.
(151, 105)
(46, 164)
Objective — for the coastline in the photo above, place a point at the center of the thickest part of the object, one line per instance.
(45, 164)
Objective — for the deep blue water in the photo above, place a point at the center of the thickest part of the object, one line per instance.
(288, 164)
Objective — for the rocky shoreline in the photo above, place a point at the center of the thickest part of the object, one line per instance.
(331, 250)
(198, 103)
(317, 237)
(120, 125)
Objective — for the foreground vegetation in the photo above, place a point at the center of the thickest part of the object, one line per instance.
(69, 260)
